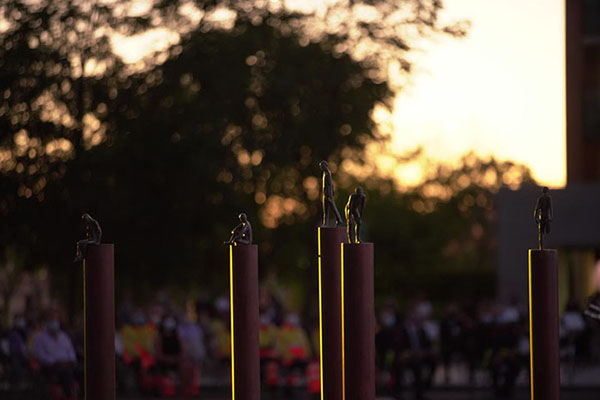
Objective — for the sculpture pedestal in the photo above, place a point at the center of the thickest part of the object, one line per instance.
(330, 311)
(358, 318)
(243, 292)
(99, 320)
(543, 325)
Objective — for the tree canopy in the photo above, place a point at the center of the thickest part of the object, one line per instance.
(234, 116)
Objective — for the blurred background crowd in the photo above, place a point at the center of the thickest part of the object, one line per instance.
(165, 349)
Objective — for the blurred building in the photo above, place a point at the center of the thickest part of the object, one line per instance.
(576, 228)
(583, 90)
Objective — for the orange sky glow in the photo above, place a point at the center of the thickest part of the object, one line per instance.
(498, 92)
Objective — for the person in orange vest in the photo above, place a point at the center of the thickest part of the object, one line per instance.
(313, 379)
(293, 340)
(295, 350)
(313, 368)
(269, 350)
(138, 338)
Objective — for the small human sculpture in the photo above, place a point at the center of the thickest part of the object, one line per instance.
(328, 198)
(543, 215)
(241, 234)
(354, 211)
(93, 234)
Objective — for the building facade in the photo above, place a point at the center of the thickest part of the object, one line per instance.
(576, 227)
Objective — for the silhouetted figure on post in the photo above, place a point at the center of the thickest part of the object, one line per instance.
(328, 197)
(543, 215)
(241, 234)
(354, 211)
(93, 234)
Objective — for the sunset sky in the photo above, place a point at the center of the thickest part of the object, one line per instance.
(499, 92)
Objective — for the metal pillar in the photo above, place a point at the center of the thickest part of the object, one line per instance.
(543, 325)
(99, 316)
(330, 311)
(243, 291)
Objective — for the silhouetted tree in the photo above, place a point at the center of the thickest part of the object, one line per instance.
(165, 155)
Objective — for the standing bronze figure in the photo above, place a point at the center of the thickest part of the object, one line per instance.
(241, 234)
(543, 215)
(93, 234)
(328, 198)
(354, 211)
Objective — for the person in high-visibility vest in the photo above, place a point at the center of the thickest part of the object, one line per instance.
(269, 351)
(313, 377)
(295, 350)
(293, 341)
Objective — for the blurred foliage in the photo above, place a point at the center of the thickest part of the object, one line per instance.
(233, 117)
(439, 237)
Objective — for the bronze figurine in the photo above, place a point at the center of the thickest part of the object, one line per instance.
(328, 198)
(93, 234)
(241, 234)
(543, 215)
(354, 211)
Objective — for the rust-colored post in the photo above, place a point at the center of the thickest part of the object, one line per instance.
(358, 319)
(543, 325)
(243, 291)
(99, 320)
(330, 311)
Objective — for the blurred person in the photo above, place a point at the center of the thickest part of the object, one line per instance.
(593, 308)
(169, 357)
(205, 314)
(155, 314)
(17, 357)
(422, 307)
(510, 313)
(125, 376)
(592, 317)
(523, 349)
(192, 343)
(452, 334)
(192, 339)
(77, 337)
(471, 345)
(293, 340)
(268, 304)
(76, 333)
(54, 351)
(269, 352)
(295, 349)
(387, 339)
(505, 362)
(313, 369)
(572, 328)
(138, 339)
(416, 351)
(220, 326)
(484, 332)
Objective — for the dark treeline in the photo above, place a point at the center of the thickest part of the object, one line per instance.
(166, 152)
